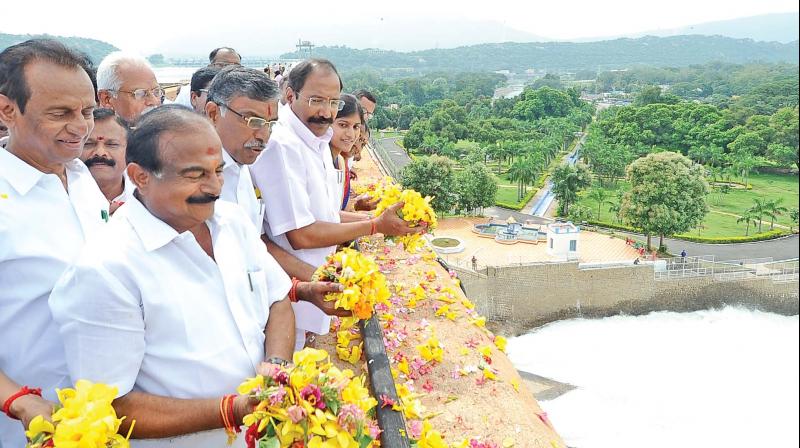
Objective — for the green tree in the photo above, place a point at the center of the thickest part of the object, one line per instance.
(580, 213)
(432, 176)
(748, 217)
(758, 210)
(667, 195)
(476, 188)
(600, 196)
(773, 209)
(794, 215)
(568, 180)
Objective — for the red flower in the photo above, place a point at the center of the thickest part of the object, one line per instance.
(251, 436)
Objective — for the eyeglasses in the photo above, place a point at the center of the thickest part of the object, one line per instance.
(320, 102)
(252, 122)
(140, 94)
(368, 115)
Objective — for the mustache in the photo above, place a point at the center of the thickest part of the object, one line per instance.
(320, 120)
(97, 160)
(202, 199)
(255, 144)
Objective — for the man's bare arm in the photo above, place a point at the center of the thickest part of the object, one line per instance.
(280, 331)
(325, 234)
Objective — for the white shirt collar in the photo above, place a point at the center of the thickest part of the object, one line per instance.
(229, 162)
(22, 176)
(153, 232)
(306, 136)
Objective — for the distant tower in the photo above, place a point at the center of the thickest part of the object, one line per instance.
(304, 48)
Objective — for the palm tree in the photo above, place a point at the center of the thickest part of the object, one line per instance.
(748, 217)
(758, 210)
(517, 173)
(773, 209)
(600, 196)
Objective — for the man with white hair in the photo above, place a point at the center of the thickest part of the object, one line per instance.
(126, 83)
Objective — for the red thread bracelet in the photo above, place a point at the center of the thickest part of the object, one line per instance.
(373, 227)
(24, 391)
(293, 290)
(232, 416)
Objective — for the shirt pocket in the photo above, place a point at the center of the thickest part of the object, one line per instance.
(259, 295)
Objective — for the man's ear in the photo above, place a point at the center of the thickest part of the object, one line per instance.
(9, 112)
(139, 176)
(212, 111)
(104, 97)
(290, 95)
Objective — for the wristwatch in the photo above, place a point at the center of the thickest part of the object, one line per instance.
(279, 361)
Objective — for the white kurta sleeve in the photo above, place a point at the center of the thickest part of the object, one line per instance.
(278, 283)
(102, 326)
(279, 175)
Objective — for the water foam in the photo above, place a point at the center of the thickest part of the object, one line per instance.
(722, 378)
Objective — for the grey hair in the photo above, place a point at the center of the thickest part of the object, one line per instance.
(108, 77)
(234, 80)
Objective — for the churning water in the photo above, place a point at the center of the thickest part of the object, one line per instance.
(720, 378)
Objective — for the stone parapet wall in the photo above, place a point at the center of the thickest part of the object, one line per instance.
(517, 298)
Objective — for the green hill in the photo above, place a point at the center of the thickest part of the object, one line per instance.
(96, 49)
(674, 51)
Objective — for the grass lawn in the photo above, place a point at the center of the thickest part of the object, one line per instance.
(717, 223)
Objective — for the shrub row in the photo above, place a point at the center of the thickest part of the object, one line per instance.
(768, 235)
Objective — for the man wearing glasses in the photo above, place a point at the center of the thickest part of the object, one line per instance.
(126, 83)
(300, 186)
(243, 107)
(201, 80)
(368, 102)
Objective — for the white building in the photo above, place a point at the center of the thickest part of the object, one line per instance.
(562, 240)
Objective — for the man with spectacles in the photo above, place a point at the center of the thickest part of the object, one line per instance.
(201, 80)
(224, 56)
(300, 186)
(368, 102)
(126, 83)
(243, 107)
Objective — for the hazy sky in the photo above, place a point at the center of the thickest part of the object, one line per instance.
(272, 26)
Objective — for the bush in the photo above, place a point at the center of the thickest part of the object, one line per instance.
(770, 235)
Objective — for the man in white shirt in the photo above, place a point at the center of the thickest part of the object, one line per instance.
(49, 203)
(104, 155)
(242, 106)
(299, 183)
(126, 83)
(178, 301)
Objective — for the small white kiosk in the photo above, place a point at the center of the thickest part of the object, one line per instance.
(562, 240)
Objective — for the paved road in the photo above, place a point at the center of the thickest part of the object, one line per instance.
(779, 249)
(546, 196)
(398, 159)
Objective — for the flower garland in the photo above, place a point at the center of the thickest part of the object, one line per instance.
(84, 418)
(310, 405)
